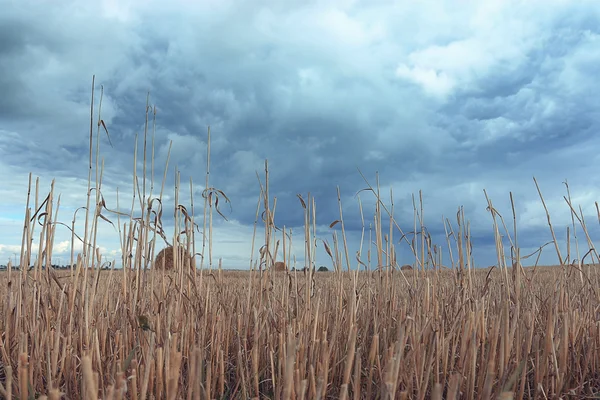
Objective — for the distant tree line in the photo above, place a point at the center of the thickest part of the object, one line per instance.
(322, 268)
(55, 266)
(4, 267)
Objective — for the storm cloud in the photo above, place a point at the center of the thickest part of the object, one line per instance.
(445, 97)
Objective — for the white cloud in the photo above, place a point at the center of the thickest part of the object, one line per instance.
(7, 248)
(492, 34)
(434, 82)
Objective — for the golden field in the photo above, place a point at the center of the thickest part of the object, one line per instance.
(143, 332)
(240, 335)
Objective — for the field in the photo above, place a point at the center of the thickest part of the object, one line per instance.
(237, 335)
(190, 332)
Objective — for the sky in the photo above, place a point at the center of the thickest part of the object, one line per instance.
(449, 98)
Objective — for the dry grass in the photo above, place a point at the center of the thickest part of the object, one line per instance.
(207, 333)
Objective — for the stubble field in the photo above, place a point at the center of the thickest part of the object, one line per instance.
(291, 335)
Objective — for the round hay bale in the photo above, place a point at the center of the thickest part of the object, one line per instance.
(279, 266)
(164, 259)
(406, 267)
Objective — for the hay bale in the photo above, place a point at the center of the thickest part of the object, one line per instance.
(166, 256)
(279, 267)
(406, 267)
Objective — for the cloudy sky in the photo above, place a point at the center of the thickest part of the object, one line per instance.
(448, 97)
